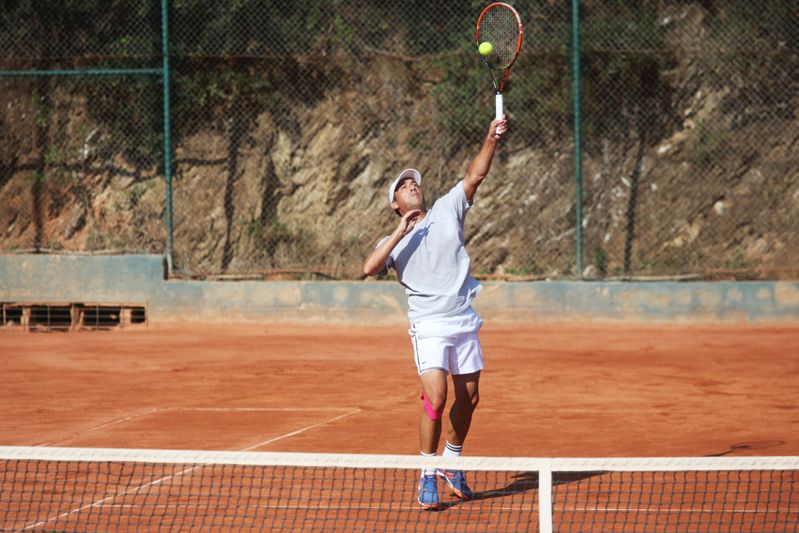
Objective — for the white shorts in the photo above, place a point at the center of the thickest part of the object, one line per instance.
(450, 344)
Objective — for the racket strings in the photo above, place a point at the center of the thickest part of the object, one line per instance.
(500, 27)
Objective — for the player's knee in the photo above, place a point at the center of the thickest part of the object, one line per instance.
(469, 403)
(434, 405)
(474, 400)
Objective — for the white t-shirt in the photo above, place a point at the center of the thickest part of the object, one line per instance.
(432, 263)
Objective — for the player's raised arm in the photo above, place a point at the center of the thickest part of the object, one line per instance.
(480, 165)
(376, 261)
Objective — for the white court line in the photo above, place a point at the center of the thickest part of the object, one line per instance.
(261, 409)
(301, 430)
(193, 409)
(386, 506)
(505, 508)
(101, 426)
(99, 503)
(673, 510)
(167, 478)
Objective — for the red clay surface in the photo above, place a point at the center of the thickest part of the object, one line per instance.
(560, 391)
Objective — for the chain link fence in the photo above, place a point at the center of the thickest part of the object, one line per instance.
(77, 173)
(81, 168)
(289, 119)
(691, 138)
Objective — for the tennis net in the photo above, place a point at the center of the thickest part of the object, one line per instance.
(76, 489)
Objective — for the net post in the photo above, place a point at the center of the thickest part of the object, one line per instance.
(545, 499)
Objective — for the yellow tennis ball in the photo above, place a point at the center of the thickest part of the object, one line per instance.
(486, 48)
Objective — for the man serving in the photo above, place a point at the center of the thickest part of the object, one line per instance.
(427, 251)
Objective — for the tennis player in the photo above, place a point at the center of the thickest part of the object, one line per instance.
(427, 251)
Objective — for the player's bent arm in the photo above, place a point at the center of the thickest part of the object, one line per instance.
(376, 261)
(480, 165)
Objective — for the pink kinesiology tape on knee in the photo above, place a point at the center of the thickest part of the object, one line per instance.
(432, 413)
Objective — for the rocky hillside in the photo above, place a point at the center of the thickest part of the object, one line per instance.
(707, 184)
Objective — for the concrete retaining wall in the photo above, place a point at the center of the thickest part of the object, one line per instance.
(139, 279)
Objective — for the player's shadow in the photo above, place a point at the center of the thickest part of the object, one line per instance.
(520, 483)
(747, 446)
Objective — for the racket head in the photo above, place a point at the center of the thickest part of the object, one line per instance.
(500, 25)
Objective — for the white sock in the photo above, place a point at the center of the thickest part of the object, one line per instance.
(451, 450)
(428, 471)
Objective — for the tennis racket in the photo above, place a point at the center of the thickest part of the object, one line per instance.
(499, 24)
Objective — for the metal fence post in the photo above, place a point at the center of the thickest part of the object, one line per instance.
(578, 157)
(166, 79)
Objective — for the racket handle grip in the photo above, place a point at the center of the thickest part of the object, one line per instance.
(500, 109)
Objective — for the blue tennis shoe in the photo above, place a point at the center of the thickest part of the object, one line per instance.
(428, 492)
(457, 483)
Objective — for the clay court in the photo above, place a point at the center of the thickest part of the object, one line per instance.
(547, 391)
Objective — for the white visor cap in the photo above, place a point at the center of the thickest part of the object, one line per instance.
(407, 173)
